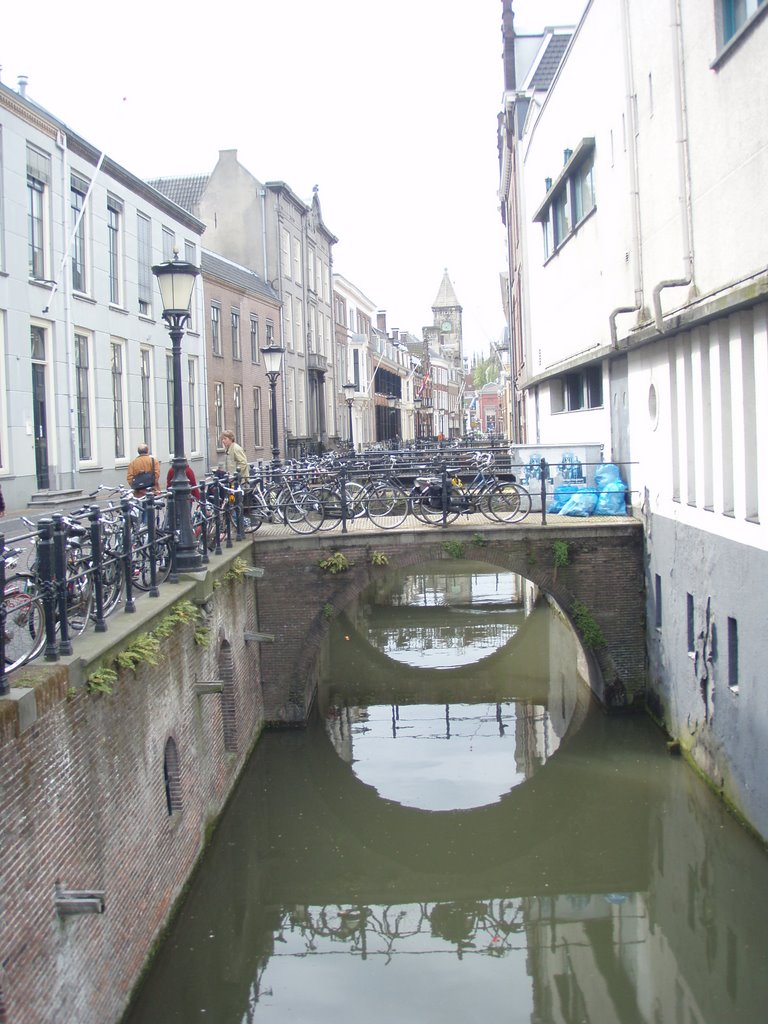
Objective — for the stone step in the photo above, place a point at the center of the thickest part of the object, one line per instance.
(56, 499)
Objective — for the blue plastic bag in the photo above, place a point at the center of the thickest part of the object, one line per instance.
(611, 499)
(581, 503)
(561, 495)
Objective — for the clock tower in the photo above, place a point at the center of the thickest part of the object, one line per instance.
(446, 313)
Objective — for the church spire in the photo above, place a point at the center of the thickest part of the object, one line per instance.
(446, 296)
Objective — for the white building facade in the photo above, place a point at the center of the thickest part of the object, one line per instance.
(643, 323)
(85, 358)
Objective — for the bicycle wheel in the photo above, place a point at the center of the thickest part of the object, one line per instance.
(24, 625)
(507, 503)
(112, 581)
(427, 509)
(142, 564)
(301, 511)
(388, 506)
(79, 598)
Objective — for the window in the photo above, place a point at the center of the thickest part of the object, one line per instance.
(192, 394)
(297, 261)
(169, 401)
(78, 190)
(238, 424)
(144, 259)
(288, 324)
(569, 199)
(733, 655)
(581, 390)
(38, 182)
(146, 395)
(356, 368)
(234, 320)
(734, 15)
(285, 251)
(254, 339)
(190, 255)
(691, 626)
(298, 326)
(82, 367)
(118, 407)
(218, 408)
(215, 329)
(657, 601)
(257, 417)
(270, 332)
(114, 242)
(169, 244)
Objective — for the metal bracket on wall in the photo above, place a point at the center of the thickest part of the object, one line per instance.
(201, 687)
(79, 901)
(260, 637)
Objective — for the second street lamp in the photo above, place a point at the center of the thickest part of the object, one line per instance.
(176, 279)
(273, 356)
(349, 392)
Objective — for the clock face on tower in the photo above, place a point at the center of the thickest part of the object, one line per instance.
(446, 326)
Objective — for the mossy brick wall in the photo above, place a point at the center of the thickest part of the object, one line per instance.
(605, 573)
(84, 805)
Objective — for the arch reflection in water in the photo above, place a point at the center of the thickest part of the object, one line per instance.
(474, 682)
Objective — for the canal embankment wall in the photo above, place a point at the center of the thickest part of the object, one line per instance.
(107, 797)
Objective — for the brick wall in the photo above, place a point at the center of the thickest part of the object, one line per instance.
(84, 806)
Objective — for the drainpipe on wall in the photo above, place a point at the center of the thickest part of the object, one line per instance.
(634, 194)
(66, 274)
(683, 166)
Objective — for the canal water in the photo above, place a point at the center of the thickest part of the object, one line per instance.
(461, 835)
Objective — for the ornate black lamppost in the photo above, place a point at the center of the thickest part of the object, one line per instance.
(350, 389)
(272, 360)
(177, 280)
(417, 418)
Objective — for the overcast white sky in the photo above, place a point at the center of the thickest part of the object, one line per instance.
(390, 108)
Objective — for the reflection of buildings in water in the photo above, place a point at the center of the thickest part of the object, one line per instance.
(417, 640)
(438, 589)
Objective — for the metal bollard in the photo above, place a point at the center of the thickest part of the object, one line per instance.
(97, 571)
(60, 574)
(154, 590)
(543, 465)
(45, 575)
(4, 685)
(126, 511)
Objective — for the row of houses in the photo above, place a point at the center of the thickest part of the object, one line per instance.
(633, 155)
(85, 359)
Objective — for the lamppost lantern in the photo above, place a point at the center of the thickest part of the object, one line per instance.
(349, 392)
(273, 358)
(176, 279)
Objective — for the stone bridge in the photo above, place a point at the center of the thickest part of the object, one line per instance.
(601, 590)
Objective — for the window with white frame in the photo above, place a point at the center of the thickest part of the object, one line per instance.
(257, 417)
(144, 263)
(192, 395)
(169, 244)
(216, 328)
(146, 394)
(301, 405)
(297, 261)
(118, 399)
(288, 324)
(298, 326)
(78, 189)
(254, 339)
(38, 183)
(83, 397)
(234, 321)
(570, 198)
(114, 249)
(237, 397)
(190, 255)
(218, 409)
(169, 400)
(285, 251)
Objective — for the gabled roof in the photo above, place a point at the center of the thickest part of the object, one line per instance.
(446, 296)
(237, 276)
(185, 191)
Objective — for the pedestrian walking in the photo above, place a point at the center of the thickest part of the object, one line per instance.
(235, 461)
(144, 472)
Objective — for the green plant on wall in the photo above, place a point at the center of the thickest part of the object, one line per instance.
(335, 563)
(454, 548)
(379, 558)
(100, 681)
(561, 554)
(479, 540)
(327, 611)
(583, 619)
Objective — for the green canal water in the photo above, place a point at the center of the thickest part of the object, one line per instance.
(461, 835)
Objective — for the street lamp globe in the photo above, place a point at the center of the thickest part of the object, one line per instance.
(176, 279)
(273, 357)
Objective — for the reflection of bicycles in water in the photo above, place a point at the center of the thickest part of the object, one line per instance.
(436, 499)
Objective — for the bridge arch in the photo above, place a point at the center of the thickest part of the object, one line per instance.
(604, 575)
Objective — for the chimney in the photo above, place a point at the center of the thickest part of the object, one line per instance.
(23, 86)
(381, 320)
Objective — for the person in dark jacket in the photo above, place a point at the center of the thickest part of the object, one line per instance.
(192, 481)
